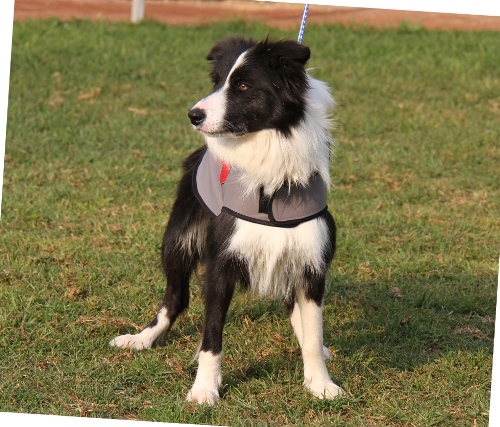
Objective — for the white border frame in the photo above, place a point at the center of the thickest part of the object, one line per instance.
(476, 7)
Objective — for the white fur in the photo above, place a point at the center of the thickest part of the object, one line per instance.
(194, 238)
(215, 104)
(316, 378)
(296, 321)
(146, 337)
(208, 379)
(276, 256)
(267, 158)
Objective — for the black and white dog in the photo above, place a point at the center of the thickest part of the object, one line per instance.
(251, 205)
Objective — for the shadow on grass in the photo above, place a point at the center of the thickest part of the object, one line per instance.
(398, 325)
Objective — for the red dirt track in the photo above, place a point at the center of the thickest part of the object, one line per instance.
(285, 16)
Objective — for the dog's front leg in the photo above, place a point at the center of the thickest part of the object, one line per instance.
(316, 377)
(208, 379)
(218, 291)
(296, 322)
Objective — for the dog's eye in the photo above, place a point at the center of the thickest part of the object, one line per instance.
(242, 86)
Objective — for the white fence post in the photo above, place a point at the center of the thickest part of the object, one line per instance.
(137, 10)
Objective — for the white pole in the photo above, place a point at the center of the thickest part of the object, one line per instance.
(137, 10)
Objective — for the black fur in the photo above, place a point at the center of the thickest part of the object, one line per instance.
(275, 79)
(221, 275)
(178, 260)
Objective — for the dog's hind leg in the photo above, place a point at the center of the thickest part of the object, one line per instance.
(179, 267)
(183, 243)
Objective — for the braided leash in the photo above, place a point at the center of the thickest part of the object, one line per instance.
(303, 23)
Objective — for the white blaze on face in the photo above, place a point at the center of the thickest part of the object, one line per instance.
(215, 104)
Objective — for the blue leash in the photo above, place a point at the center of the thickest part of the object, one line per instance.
(303, 23)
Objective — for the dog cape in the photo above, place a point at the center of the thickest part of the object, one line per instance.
(218, 188)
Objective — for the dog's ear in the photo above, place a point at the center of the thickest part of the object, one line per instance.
(217, 51)
(293, 51)
(288, 53)
(229, 46)
(287, 59)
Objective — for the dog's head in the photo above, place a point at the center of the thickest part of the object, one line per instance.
(257, 86)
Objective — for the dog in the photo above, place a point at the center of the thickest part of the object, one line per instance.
(251, 205)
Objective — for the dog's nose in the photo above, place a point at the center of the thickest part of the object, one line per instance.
(197, 115)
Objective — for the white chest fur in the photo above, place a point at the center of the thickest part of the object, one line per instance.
(276, 257)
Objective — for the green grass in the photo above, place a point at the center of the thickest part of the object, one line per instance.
(97, 129)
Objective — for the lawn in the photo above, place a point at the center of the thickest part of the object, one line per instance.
(97, 130)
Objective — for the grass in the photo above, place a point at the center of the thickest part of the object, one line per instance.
(97, 130)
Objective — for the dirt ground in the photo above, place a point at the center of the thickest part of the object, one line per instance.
(286, 16)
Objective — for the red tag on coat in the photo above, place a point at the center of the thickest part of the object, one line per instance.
(224, 172)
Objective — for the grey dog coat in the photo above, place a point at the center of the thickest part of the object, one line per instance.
(219, 190)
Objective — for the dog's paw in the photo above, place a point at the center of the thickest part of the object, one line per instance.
(325, 389)
(327, 353)
(203, 395)
(131, 341)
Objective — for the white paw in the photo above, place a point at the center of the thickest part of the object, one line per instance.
(131, 341)
(203, 395)
(325, 389)
(327, 353)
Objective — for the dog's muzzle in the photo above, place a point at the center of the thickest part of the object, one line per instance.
(197, 116)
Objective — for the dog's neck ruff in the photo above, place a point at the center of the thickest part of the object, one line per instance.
(218, 188)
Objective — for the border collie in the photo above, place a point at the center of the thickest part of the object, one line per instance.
(251, 205)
